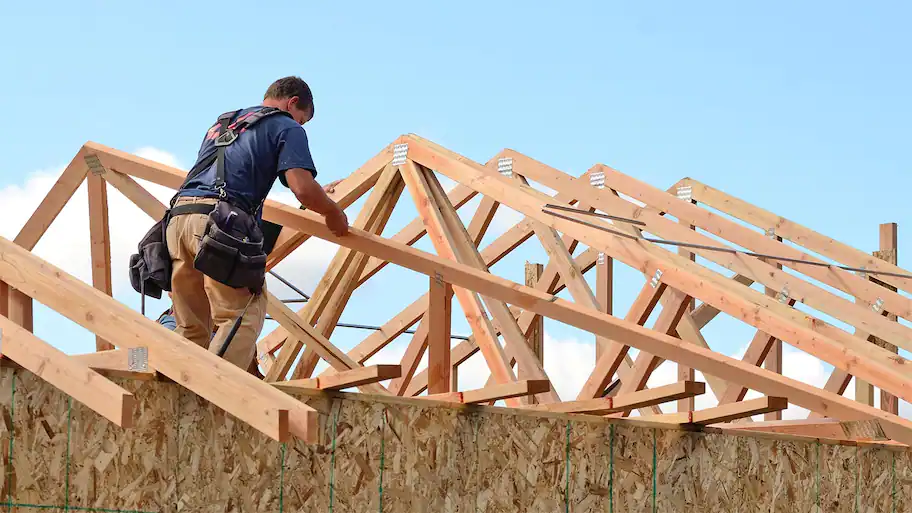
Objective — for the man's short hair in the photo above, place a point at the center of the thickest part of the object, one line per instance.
(288, 87)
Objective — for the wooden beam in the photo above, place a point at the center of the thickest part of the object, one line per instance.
(773, 360)
(4, 299)
(667, 323)
(686, 373)
(821, 339)
(604, 295)
(634, 400)
(792, 231)
(234, 390)
(726, 413)
(464, 245)
(331, 282)
(343, 291)
(100, 235)
(344, 379)
(53, 203)
(306, 334)
(608, 363)
(536, 334)
(67, 374)
(807, 293)
(414, 352)
(114, 363)
(889, 252)
(493, 393)
(445, 242)
(465, 349)
(136, 193)
(439, 342)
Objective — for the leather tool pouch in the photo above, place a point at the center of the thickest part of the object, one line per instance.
(231, 249)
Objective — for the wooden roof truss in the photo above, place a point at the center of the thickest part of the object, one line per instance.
(589, 223)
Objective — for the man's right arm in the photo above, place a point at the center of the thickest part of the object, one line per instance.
(313, 197)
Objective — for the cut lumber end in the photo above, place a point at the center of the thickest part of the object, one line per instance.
(539, 386)
(387, 371)
(693, 387)
(128, 410)
(870, 429)
(302, 423)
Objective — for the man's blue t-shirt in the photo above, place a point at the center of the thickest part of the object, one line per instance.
(260, 154)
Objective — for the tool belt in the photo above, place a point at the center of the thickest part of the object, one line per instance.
(231, 250)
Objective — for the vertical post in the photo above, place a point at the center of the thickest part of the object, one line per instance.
(101, 241)
(20, 309)
(604, 292)
(4, 299)
(888, 251)
(439, 340)
(773, 360)
(686, 373)
(536, 337)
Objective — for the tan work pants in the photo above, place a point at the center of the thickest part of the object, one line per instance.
(201, 303)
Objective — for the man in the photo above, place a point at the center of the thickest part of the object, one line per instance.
(274, 147)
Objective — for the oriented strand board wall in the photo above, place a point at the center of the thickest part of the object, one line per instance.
(400, 455)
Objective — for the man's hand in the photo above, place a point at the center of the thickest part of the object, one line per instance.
(337, 222)
(331, 187)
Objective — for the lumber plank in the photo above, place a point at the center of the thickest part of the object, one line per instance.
(633, 400)
(67, 374)
(276, 415)
(608, 363)
(666, 323)
(414, 352)
(439, 329)
(726, 413)
(100, 236)
(306, 334)
(750, 239)
(136, 193)
(493, 393)
(445, 244)
(344, 379)
(464, 246)
(792, 231)
(536, 335)
(50, 207)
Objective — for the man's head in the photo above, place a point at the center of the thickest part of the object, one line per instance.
(292, 95)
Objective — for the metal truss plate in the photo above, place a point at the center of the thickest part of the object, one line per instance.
(138, 359)
(400, 152)
(505, 166)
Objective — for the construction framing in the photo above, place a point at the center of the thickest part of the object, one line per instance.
(599, 219)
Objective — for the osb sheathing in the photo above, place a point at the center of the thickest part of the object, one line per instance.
(398, 456)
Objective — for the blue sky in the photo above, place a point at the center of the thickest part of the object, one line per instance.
(801, 109)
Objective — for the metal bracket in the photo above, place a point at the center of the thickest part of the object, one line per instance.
(597, 179)
(438, 278)
(656, 279)
(771, 232)
(400, 152)
(783, 295)
(94, 165)
(601, 259)
(505, 166)
(685, 193)
(138, 359)
(878, 305)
